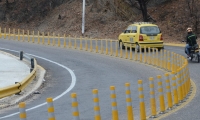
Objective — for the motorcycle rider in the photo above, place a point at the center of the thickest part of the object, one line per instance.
(190, 41)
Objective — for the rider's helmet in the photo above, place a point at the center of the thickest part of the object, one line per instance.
(189, 30)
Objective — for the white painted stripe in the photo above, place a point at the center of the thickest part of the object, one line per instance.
(59, 96)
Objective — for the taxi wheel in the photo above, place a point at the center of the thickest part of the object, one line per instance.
(137, 48)
(123, 47)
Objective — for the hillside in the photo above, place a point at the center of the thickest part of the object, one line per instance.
(101, 21)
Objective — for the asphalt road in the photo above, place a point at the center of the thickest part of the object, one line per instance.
(91, 71)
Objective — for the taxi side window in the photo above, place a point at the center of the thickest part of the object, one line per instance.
(128, 30)
(134, 29)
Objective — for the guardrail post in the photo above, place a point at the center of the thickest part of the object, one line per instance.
(113, 103)
(50, 109)
(152, 97)
(175, 93)
(22, 111)
(21, 55)
(129, 102)
(161, 95)
(168, 91)
(75, 111)
(97, 115)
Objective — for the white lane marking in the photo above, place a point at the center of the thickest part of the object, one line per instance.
(59, 96)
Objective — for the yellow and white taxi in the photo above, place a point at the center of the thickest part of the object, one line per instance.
(141, 34)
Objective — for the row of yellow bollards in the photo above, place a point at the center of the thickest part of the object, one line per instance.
(177, 82)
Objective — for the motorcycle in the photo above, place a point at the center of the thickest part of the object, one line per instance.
(194, 53)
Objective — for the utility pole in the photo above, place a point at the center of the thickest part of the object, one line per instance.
(83, 18)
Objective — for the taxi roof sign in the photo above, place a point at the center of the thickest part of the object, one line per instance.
(142, 22)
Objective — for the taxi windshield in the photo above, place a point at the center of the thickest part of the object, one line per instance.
(149, 30)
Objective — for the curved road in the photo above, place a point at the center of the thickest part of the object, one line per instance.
(92, 71)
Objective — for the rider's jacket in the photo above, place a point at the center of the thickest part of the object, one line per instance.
(191, 39)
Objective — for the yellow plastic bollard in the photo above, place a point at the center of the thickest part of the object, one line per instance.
(86, 45)
(149, 55)
(182, 82)
(180, 95)
(14, 33)
(141, 99)
(70, 43)
(161, 95)
(168, 91)
(145, 55)
(75, 44)
(53, 39)
(50, 109)
(152, 97)
(111, 48)
(18, 34)
(157, 59)
(116, 48)
(80, 43)
(48, 39)
(22, 35)
(4, 33)
(175, 93)
(38, 37)
(121, 52)
(168, 61)
(106, 47)
(126, 52)
(33, 39)
(58, 40)
(131, 54)
(43, 42)
(97, 46)
(102, 49)
(91, 48)
(97, 115)
(129, 102)
(22, 111)
(140, 54)
(113, 103)
(136, 55)
(75, 111)
(64, 41)
(9, 33)
(28, 36)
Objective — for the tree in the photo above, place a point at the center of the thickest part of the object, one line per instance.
(142, 6)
